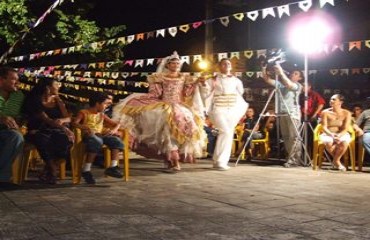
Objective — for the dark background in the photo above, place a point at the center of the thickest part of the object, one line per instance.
(148, 15)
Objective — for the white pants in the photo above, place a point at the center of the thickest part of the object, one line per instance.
(225, 120)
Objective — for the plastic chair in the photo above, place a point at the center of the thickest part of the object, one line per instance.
(79, 155)
(22, 162)
(360, 155)
(238, 135)
(263, 145)
(319, 146)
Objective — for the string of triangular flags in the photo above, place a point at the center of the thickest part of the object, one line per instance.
(28, 86)
(280, 11)
(38, 22)
(191, 59)
(120, 80)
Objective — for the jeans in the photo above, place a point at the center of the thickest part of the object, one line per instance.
(366, 141)
(11, 143)
(95, 143)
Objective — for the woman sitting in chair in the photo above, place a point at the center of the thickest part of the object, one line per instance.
(336, 123)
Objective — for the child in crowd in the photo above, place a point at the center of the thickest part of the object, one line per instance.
(93, 123)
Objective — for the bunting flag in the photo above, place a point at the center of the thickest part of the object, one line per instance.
(323, 2)
(185, 28)
(172, 31)
(98, 81)
(160, 32)
(253, 15)
(353, 45)
(282, 10)
(305, 5)
(191, 59)
(239, 16)
(225, 21)
(268, 11)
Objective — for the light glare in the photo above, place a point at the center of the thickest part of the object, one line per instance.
(311, 37)
(203, 65)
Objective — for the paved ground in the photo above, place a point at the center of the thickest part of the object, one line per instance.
(251, 201)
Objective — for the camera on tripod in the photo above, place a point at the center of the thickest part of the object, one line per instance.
(275, 56)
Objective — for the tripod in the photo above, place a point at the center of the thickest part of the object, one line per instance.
(278, 100)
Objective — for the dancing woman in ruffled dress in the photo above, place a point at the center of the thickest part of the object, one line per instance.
(168, 118)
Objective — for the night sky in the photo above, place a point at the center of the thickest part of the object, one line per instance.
(146, 15)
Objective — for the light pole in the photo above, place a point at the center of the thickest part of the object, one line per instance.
(309, 35)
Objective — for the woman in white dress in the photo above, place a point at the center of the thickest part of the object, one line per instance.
(165, 120)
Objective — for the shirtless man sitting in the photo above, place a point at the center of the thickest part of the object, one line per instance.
(336, 122)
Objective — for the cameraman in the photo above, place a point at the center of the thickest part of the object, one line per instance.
(290, 109)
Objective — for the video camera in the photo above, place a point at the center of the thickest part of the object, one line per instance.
(275, 56)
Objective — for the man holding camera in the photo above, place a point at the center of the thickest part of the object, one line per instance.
(289, 108)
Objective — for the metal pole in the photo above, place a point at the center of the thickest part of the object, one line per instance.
(305, 117)
(277, 113)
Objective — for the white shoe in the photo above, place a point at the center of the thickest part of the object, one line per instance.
(221, 168)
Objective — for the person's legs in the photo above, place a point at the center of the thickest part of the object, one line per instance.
(93, 144)
(11, 144)
(224, 141)
(366, 141)
(340, 149)
(115, 145)
(292, 143)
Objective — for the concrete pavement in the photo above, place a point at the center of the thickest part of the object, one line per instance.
(250, 201)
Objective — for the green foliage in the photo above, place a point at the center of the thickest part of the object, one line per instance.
(14, 19)
(65, 26)
(75, 30)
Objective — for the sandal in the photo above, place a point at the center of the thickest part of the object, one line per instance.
(340, 168)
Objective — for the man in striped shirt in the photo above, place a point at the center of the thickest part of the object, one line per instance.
(11, 139)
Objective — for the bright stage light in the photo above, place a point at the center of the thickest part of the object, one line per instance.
(311, 37)
(310, 33)
(203, 65)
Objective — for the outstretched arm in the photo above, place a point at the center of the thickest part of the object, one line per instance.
(283, 77)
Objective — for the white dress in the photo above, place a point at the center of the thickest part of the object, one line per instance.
(164, 119)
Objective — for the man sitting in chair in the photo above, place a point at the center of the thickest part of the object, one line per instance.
(336, 123)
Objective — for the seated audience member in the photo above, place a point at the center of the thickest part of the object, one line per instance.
(363, 121)
(11, 139)
(47, 123)
(211, 136)
(356, 111)
(92, 121)
(276, 145)
(336, 122)
(250, 125)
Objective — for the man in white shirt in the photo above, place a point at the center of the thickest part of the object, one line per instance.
(225, 106)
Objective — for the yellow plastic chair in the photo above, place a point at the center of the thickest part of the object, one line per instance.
(319, 146)
(360, 155)
(238, 135)
(263, 145)
(22, 163)
(79, 155)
